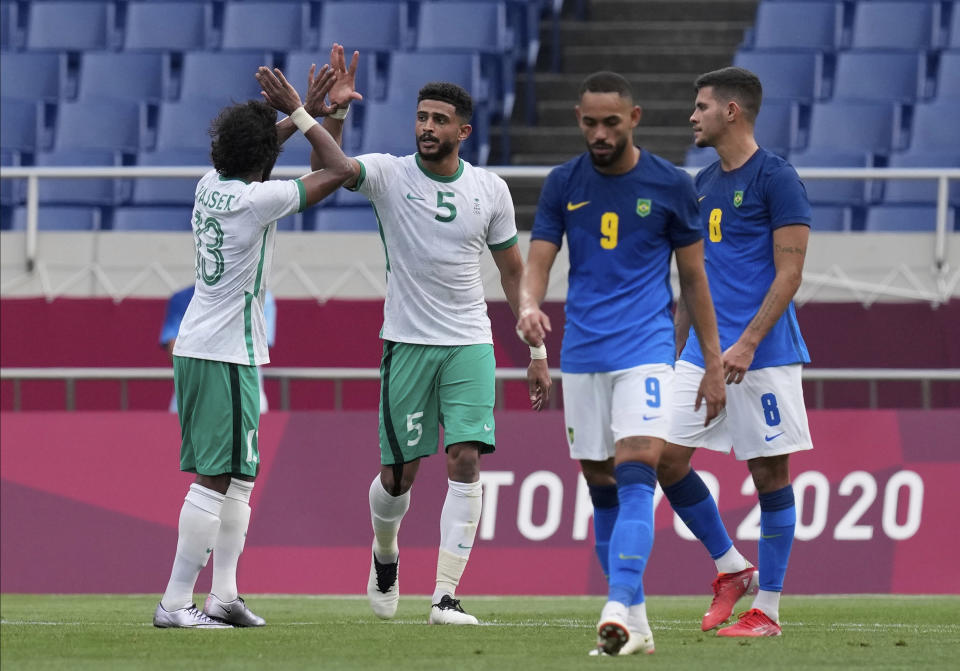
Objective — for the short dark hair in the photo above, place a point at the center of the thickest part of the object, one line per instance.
(736, 84)
(606, 82)
(244, 139)
(447, 92)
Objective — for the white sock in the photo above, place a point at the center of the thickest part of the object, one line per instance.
(731, 561)
(199, 523)
(614, 609)
(637, 618)
(458, 529)
(386, 513)
(769, 603)
(234, 520)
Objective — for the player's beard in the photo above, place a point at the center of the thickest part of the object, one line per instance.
(440, 151)
(612, 157)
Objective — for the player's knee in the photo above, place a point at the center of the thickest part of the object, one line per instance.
(463, 462)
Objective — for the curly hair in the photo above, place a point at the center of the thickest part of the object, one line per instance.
(244, 139)
(446, 92)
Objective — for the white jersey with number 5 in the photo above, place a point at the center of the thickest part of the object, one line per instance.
(234, 230)
(434, 231)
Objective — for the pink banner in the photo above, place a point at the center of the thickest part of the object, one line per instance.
(89, 503)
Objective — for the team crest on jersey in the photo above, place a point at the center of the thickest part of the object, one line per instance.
(644, 206)
(570, 434)
(737, 198)
(476, 206)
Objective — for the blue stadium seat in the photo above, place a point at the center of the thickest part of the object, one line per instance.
(185, 124)
(152, 218)
(933, 128)
(948, 78)
(777, 127)
(117, 124)
(836, 191)
(60, 218)
(70, 26)
(797, 75)
(798, 25)
(277, 26)
(953, 39)
(123, 75)
(341, 219)
(8, 26)
(168, 190)
(365, 26)
(295, 152)
(880, 75)
(905, 218)
(894, 25)
(292, 222)
(348, 198)
(86, 190)
(831, 218)
(388, 127)
(19, 124)
(168, 26)
(699, 157)
(33, 75)
(917, 191)
(855, 126)
(224, 77)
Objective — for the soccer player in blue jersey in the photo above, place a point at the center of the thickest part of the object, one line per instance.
(624, 212)
(755, 215)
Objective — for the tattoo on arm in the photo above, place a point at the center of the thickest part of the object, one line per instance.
(789, 250)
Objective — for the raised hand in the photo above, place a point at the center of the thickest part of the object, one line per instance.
(318, 86)
(343, 91)
(277, 91)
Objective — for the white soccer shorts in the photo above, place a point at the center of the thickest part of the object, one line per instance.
(765, 414)
(602, 408)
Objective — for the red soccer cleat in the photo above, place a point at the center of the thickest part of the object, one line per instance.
(752, 623)
(727, 590)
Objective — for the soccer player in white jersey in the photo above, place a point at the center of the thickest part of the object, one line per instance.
(437, 214)
(222, 338)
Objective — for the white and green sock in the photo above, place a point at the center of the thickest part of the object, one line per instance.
(197, 529)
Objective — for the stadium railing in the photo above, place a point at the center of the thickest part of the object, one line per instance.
(69, 376)
(33, 175)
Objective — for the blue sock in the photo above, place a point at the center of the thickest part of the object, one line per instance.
(605, 507)
(778, 519)
(632, 538)
(691, 500)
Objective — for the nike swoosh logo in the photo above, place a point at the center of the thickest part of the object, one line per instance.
(769, 438)
(623, 556)
(700, 198)
(576, 206)
(487, 427)
(770, 536)
(410, 196)
(647, 418)
(464, 547)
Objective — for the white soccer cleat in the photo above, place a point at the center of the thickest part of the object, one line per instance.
(612, 635)
(638, 643)
(449, 611)
(185, 618)
(232, 612)
(383, 587)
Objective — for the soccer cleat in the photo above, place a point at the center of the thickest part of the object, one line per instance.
(727, 590)
(752, 623)
(612, 636)
(185, 618)
(383, 588)
(638, 643)
(449, 611)
(232, 612)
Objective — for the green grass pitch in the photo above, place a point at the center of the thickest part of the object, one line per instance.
(819, 632)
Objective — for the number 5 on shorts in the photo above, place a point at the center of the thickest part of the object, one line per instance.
(414, 425)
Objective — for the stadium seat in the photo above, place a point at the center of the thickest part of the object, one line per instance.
(836, 191)
(70, 26)
(275, 26)
(699, 157)
(798, 25)
(953, 39)
(152, 218)
(797, 75)
(921, 191)
(905, 218)
(855, 126)
(119, 75)
(295, 152)
(8, 26)
(33, 75)
(948, 77)
(292, 222)
(933, 129)
(234, 79)
(831, 218)
(185, 124)
(348, 198)
(894, 25)
(11, 190)
(19, 124)
(115, 124)
(168, 26)
(880, 75)
(168, 190)
(85, 190)
(778, 126)
(60, 218)
(365, 26)
(341, 219)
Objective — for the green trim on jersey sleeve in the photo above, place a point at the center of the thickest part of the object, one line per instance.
(363, 176)
(440, 178)
(506, 244)
(302, 190)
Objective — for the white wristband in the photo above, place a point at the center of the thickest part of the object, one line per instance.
(341, 113)
(538, 352)
(302, 119)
